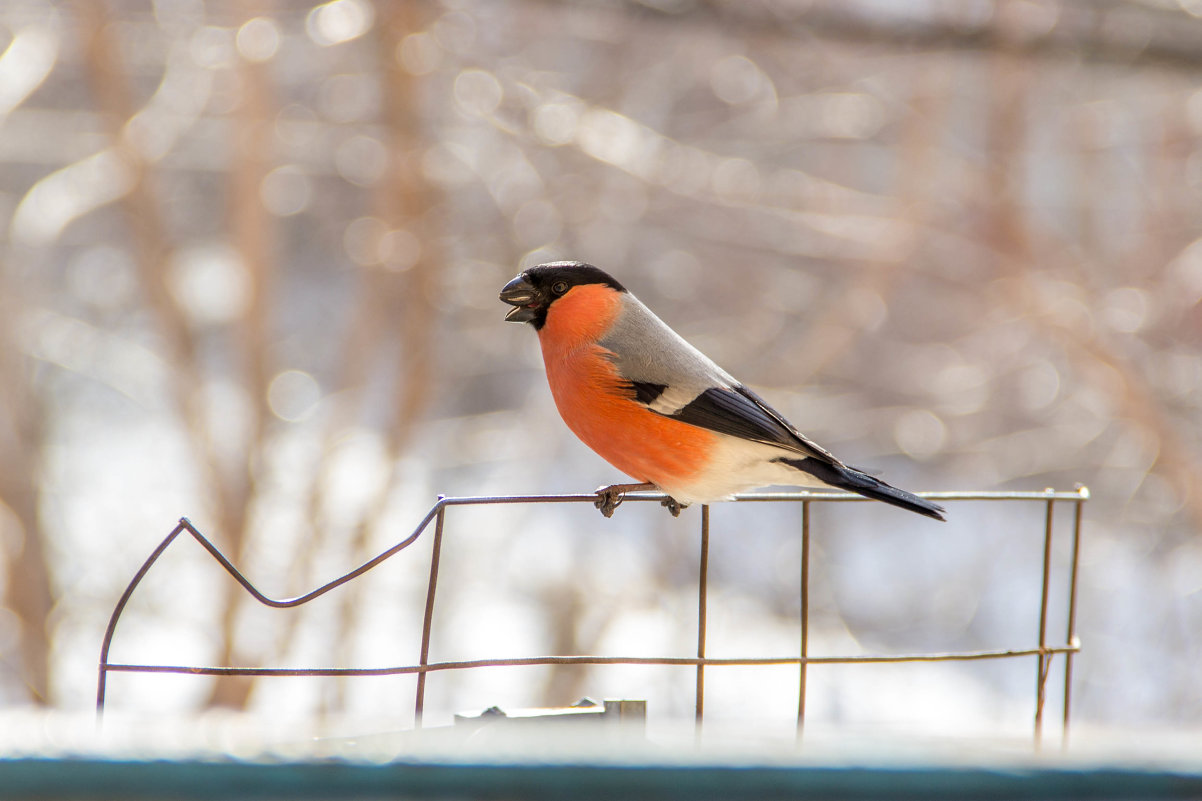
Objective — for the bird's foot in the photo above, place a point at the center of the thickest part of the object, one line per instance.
(611, 497)
(672, 505)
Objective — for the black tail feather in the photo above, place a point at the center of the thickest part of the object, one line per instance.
(846, 478)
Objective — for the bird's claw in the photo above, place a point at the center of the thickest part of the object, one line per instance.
(672, 505)
(609, 499)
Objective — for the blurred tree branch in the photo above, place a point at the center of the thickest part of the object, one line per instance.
(839, 326)
(1101, 31)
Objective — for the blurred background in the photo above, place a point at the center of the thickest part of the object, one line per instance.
(250, 270)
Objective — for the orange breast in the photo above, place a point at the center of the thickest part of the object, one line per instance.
(600, 409)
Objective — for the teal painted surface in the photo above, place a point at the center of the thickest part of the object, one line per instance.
(133, 781)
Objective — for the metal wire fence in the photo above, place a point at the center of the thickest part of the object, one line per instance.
(1043, 649)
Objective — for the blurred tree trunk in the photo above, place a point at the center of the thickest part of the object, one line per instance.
(1010, 81)
(397, 306)
(251, 232)
(406, 285)
(565, 606)
(152, 250)
(27, 592)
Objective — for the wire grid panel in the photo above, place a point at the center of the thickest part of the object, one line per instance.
(1042, 650)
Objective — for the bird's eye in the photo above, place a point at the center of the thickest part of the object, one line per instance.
(559, 287)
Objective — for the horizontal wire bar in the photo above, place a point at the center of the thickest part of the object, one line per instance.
(1076, 496)
(683, 661)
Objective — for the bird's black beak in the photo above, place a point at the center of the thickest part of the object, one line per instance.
(520, 294)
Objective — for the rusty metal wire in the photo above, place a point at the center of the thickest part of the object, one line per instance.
(1043, 652)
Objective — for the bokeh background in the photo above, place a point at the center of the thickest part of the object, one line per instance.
(249, 275)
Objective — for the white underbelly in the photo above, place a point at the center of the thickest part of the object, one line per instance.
(737, 465)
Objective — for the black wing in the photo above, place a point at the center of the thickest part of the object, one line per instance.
(741, 413)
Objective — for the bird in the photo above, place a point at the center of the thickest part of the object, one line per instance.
(658, 409)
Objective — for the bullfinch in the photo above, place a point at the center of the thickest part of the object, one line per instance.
(658, 409)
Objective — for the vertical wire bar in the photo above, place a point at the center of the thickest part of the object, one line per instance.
(805, 614)
(419, 704)
(702, 581)
(1045, 658)
(1070, 638)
